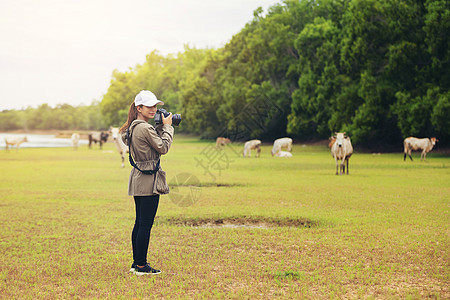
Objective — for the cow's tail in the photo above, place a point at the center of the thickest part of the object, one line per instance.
(405, 149)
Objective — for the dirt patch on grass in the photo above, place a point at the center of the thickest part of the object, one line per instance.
(239, 222)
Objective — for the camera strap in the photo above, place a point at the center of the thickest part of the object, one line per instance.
(130, 158)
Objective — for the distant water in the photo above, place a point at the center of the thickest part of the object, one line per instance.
(39, 141)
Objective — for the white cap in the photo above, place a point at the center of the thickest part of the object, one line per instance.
(146, 98)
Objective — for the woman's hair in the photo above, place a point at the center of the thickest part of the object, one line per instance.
(132, 115)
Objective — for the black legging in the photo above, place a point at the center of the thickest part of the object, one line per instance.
(146, 207)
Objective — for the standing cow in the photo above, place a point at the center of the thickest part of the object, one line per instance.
(281, 143)
(75, 140)
(15, 141)
(98, 136)
(252, 145)
(413, 143)
(341, 150)
(122, 149)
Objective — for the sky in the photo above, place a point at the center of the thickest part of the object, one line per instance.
(64, 51)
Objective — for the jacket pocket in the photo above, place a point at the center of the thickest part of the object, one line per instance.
(161, 184)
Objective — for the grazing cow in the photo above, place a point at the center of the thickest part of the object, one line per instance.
(252, 145)
(75, 140)
(341, 150)
(15, 141)
(98, 136)
(283, 154)
(281, 143)
(221, 141)
(413, 143)
(121, 147)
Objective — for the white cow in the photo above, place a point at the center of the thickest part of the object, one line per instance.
(341, 150)
(283, 154)
(15, 141)
(75, 140)
(412, 143)
(281, 143)
(121, 147)
(252, 145)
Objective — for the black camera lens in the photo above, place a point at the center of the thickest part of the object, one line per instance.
(176, 118)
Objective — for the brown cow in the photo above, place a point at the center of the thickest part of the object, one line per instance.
(221, 141)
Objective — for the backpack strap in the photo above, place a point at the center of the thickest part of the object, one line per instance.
(130, 158)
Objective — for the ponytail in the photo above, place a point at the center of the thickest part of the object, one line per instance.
(132, 115)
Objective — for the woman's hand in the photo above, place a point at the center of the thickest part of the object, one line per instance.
(167, 120)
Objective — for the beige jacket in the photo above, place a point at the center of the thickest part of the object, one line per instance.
(147, 145)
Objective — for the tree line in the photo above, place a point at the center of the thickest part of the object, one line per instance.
(45, 117)
(376, 69)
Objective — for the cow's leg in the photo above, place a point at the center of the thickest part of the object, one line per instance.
(123, 160)
(409, 154)
(347, 165)
(337, 166)
(404, 151)
(100, 142)
(424, 155)
(343, 165)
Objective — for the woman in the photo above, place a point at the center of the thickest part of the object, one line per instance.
(147, 180)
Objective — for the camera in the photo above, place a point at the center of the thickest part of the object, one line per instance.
(176, 118)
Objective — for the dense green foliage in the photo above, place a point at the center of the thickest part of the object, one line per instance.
(377, 69)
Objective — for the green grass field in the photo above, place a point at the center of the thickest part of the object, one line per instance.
(250, 228)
